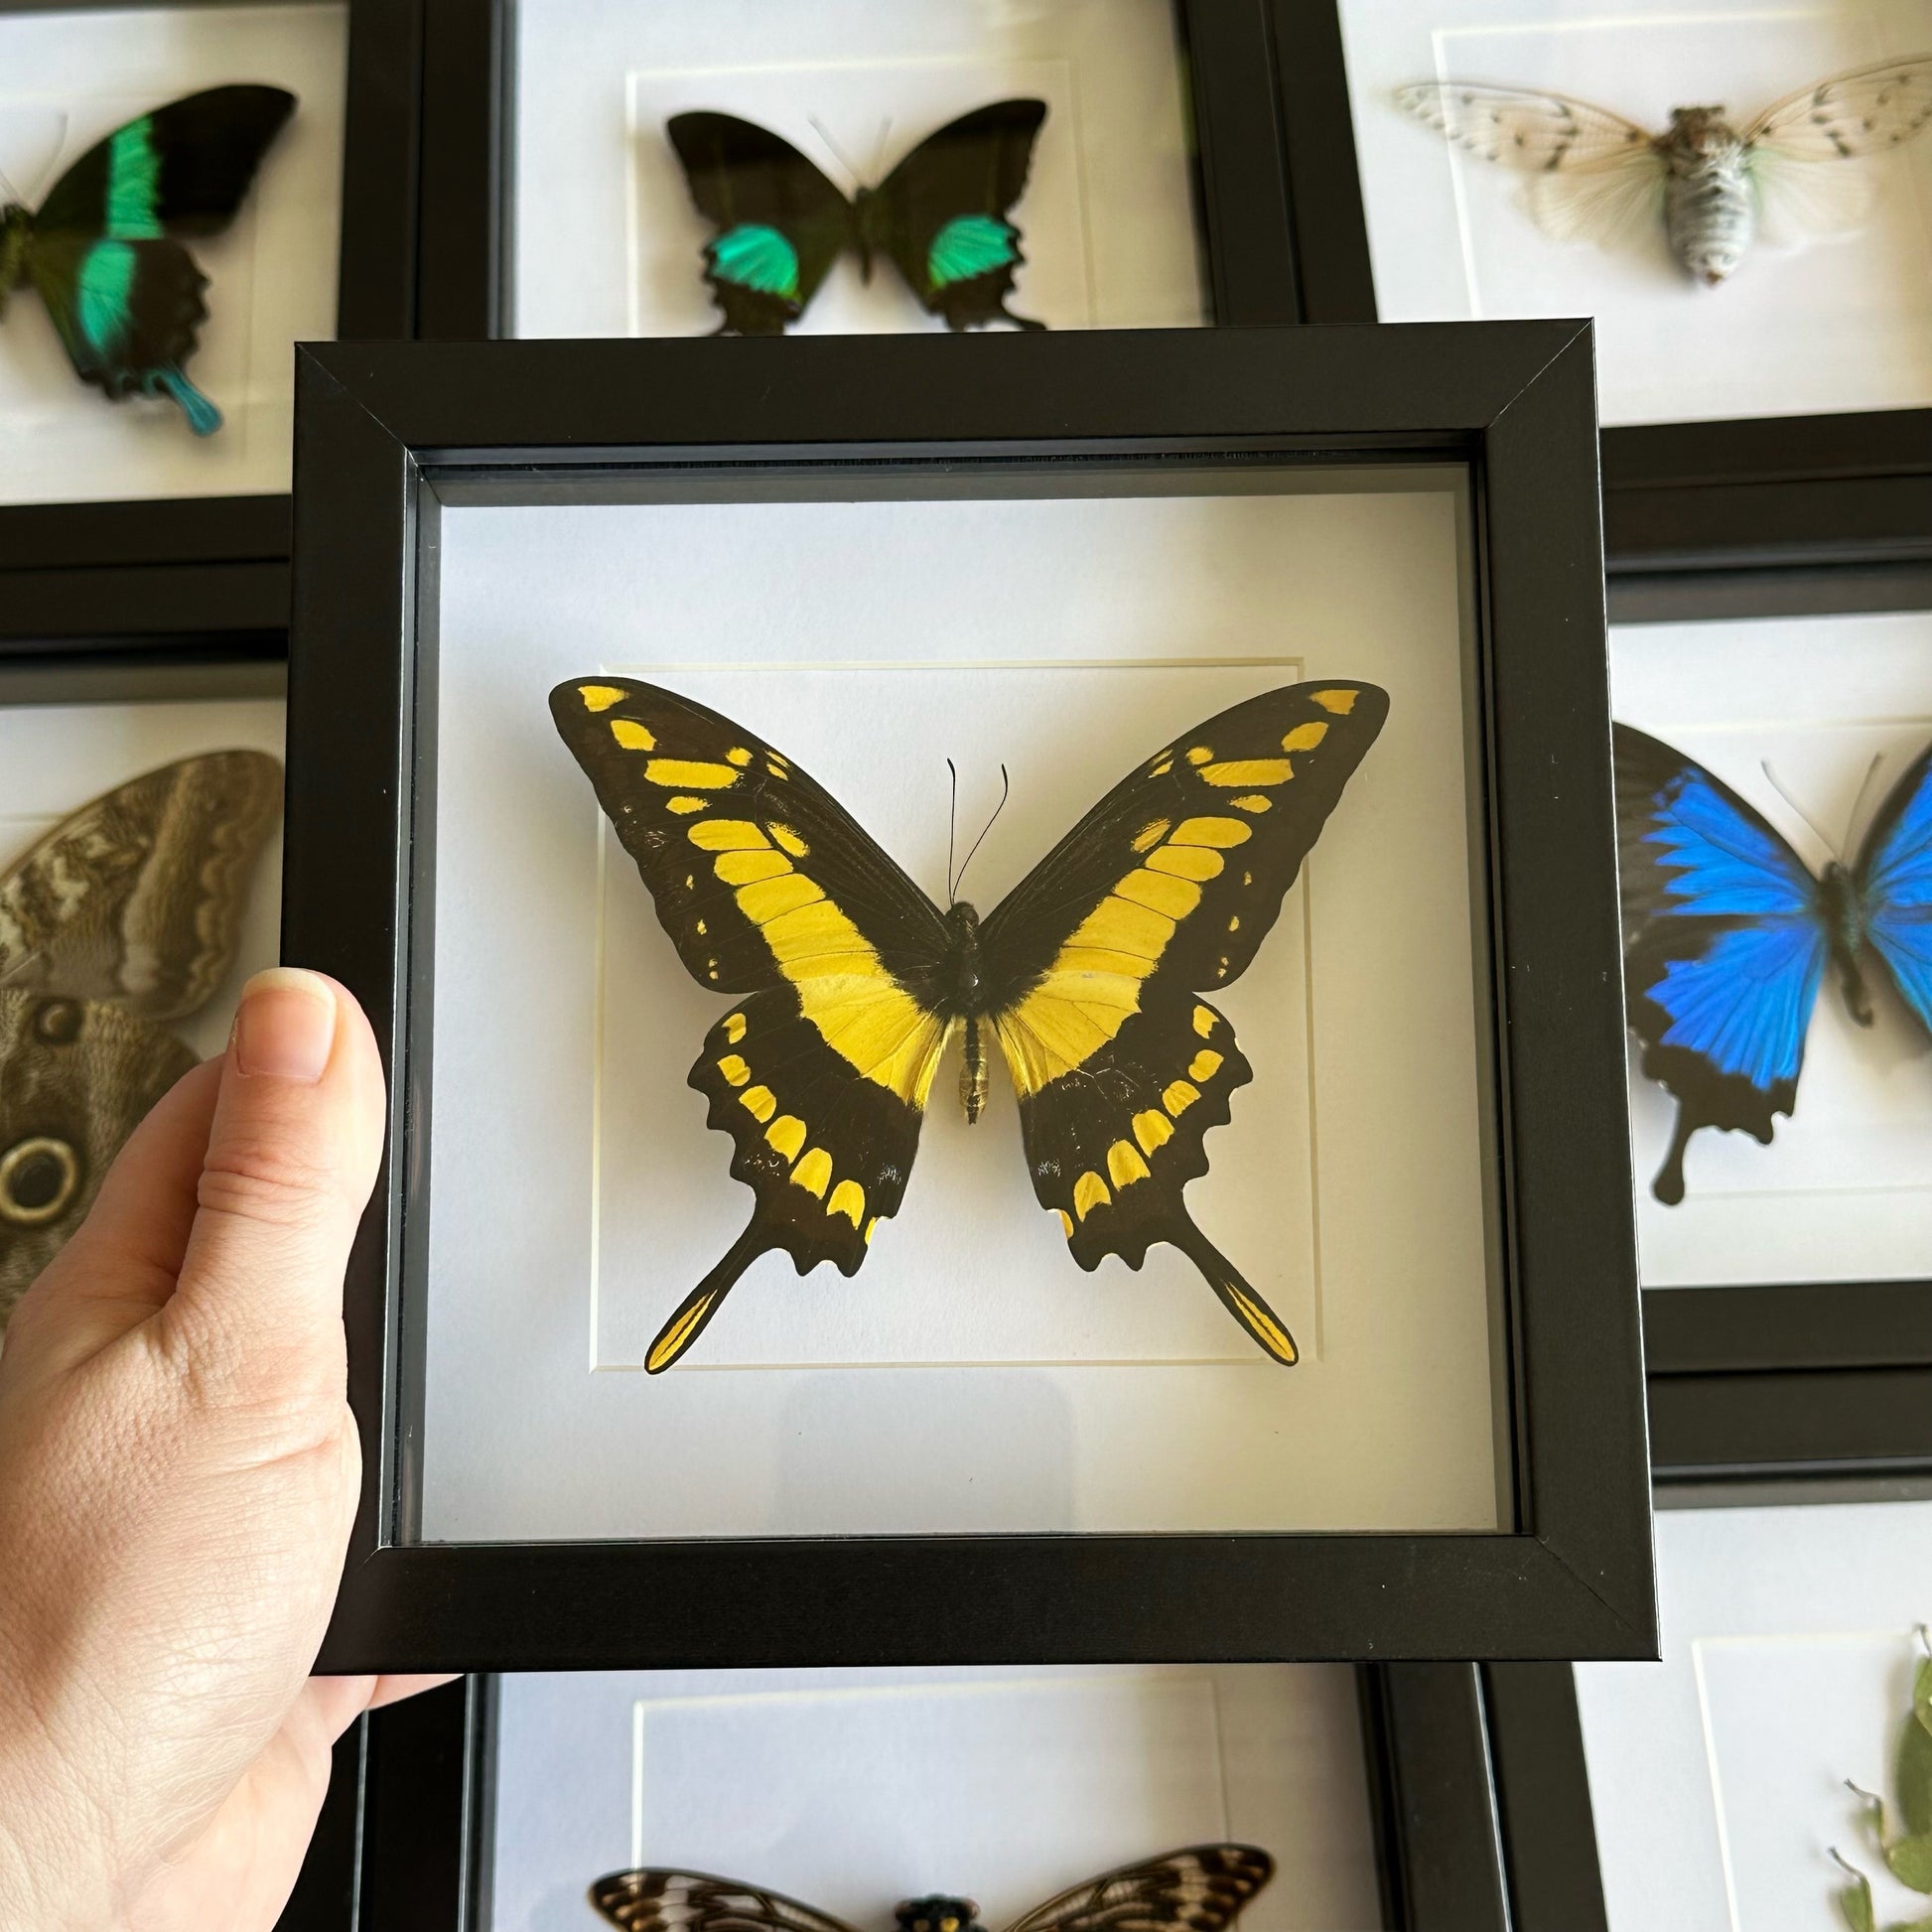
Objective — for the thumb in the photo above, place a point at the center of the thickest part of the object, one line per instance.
(292, 1154)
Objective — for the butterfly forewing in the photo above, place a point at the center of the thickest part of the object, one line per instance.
(1524, 128)
(1202, 1888)
(1863, 113)
(1099, 962)
(1894, 885)
(772, 892)
(653, 1900)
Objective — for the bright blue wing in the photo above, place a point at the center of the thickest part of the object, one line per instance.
(1725, 946)
(1895, 880)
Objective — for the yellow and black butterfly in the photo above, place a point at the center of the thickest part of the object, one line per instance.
(850, 982)
(1202, 1888)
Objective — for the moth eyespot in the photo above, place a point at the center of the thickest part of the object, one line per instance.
(56, 1023)
(39, 1178)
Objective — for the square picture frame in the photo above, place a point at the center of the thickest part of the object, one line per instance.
(394, 440)
(1229, 71)
(408, 1824)
(1677, 495)
(158, 572)
(1790, 1378)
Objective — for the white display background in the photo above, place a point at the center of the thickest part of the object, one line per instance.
(66, 81)
(54, 759)
(1718, 1776)
(1839, 324)
(970, 1377)
(854, 1790)
(1843, 1192)
(609, 243)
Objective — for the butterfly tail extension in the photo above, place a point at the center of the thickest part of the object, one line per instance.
(1269, 1332)
(694, 1312)
(204, 418)
(1668, 1186)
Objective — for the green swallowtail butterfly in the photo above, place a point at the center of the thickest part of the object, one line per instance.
(105, 248)
(940, 216)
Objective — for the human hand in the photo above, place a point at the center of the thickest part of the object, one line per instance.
(178, 1473)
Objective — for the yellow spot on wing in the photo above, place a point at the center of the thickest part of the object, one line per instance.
(1178, 1098)
(632, 734)
(1186, 861)
(787, 1135)
(1160, 766)
(1253, 772)
(1305, 738)
(848, 1199)
(1211, 831)
(771, 897)
(1252, 802)
(1118, 925)
(813, 1171)
(1342, 702)
(1204, 1019)
(696, 773)
(748, 867)
(600, 697)
(1160, 892)
(763, 1102)
(727, 835)
(790, 839)
(1089, 1193)
(1152, 1130)
(682, 804)
(738, 756)
(1150, 835)
(1264, 1328)
(734, 1070)
(1067, 1222)
(733, 1025)
(1124, 1165)
(1200, 754)
(672, 1342)
(1205, 1066)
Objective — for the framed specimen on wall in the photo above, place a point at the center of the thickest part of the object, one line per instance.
(191, 189)
(621, 169)
(612, 603)
(499, 1803)
(1490, 158)
(1787, 1311)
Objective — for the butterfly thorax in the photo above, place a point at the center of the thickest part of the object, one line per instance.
(1840, 906)
(868, 219)
(938, 1913)
(16, 229)
(1709, 207)
(962, 996)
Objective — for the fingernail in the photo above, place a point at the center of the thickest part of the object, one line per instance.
(285, 1024)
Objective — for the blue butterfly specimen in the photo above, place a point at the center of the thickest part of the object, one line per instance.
(1728, 935)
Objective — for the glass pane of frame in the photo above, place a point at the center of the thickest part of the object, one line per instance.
(971, 1378)
(70, 77)
(607, 240)
(852, 1790)
(1793, 1637)
(1827, 301)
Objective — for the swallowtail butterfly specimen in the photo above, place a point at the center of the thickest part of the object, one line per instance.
(941, 216)
(123, 917)
(1713, 185)
(1202, 1888)
(1092, 975)
(1728, 934)
(106, 248)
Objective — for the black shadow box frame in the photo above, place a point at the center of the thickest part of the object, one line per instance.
(1779, 1381)
(1229, 58)
(1676, 497)
(160, 573)
(386, 432)
(406, 1833)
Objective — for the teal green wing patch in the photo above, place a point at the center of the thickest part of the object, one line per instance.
(758, 258)
(971, 244)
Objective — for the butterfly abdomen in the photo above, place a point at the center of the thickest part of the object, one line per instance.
(1709, 208)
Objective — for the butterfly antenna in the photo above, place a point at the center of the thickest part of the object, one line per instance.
(878, 148)
(1778, 785)
(1006, 790)
(952, 819)
(837, 153)
(1858, 804)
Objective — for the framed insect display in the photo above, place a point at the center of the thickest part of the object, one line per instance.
(641, 171)
(140, 817)
(483, 1803)
(1740, 205)
(1776, 1130)
(185, 190)
(1237, 748)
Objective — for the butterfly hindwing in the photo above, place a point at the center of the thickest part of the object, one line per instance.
(780, 224)
(942, 212)
(772, 892)
(649, 1899)
(1725, 946)
(1895, 886)
(1098, 962)
(1202, 1888)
